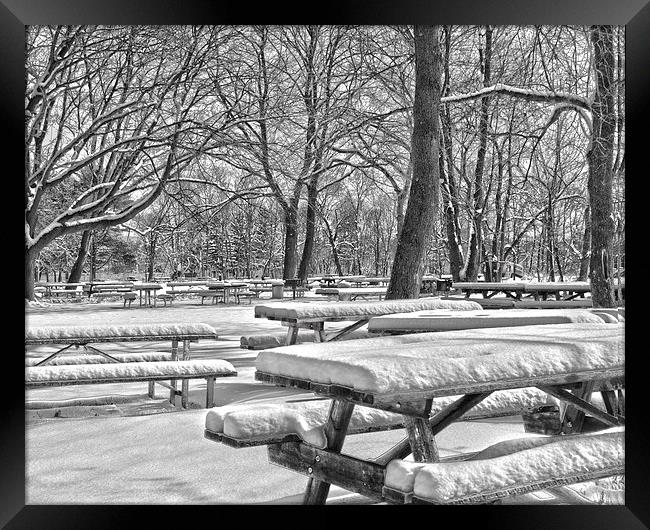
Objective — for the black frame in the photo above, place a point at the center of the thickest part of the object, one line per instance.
(635, 14)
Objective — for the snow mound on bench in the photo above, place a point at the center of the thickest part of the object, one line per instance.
(98, 359)
(547, 461)
(260, 342)
(297, 310)
(130, 330)
(307, 419)
(490, 318)
(133, 371)
(451, 359)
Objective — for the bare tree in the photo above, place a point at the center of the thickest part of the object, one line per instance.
(406, 274)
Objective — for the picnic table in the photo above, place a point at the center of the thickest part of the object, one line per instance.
(61, 288)
(306, 315)
(145, 291)
(227, 289)
(82, 338)
(405, 374)
(517, 290)
(276, 287)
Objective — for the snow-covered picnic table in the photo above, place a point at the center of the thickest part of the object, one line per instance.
(519, 290)
(84, 336)
(405, 374)
(439, 320)
(309, 315)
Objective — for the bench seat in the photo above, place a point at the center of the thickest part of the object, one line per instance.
(446, 321)
(118, 333)
(42, 376)
(508, 468)
(98, 359)
(275, 340)
(264, 424)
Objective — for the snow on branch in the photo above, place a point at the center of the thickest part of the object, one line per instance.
(523, 93)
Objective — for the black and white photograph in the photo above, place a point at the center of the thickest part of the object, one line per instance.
(335, 264)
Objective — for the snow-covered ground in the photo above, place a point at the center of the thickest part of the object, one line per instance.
(106, 444)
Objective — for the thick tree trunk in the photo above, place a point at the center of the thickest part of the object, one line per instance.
(310, 231)
(290, 242)
(417, 230)
(600, 157)
(30, 263)
(78, 266)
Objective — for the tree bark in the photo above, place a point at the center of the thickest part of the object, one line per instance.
(600, 158)
(583, 275)
(406, 274)
(78, 266)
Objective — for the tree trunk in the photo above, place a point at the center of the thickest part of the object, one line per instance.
(78, 266)
(450, 193)
(30, 263)
(406, 274)
(583, 275)
(600, 157)
(290, 242)
(310, 232)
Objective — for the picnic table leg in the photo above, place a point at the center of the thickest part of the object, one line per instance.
(421, 439)
(574, 418)
(335, 431)
(185, 384)
(209, 392)
(172, 383)
(292, 335)
(319, 331)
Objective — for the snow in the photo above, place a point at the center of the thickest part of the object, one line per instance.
(131, 330)
(93, 372)
(490, 318)
(307, 419)
(441, 360)
(141, 451)
(557, 458)
(298, 310)
(258, 342)
(97, 359)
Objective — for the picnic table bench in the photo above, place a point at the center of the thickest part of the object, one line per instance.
(348, 294)
(312, 316)
(526, 303)
(406, 374)
(59, 289)
(125, 372)
(82, 338)
(110, 289)
(424, 321)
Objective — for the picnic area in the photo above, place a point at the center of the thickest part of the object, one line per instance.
(325, 265)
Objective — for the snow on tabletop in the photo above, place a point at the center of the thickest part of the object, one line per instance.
(448, 359)
(307, 419)
(508, 463)
(127, 370)
(440, 320)
(567, 457)
(356, 309)
(126, 330)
